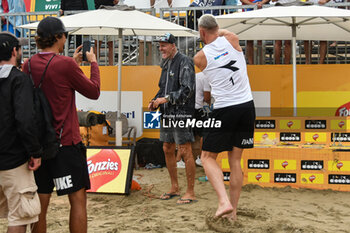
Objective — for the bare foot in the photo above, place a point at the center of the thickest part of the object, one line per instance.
(231, 216)
(222, 210)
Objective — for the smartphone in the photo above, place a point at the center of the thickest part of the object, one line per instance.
(86, 48)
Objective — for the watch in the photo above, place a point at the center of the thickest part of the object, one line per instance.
(167, 97)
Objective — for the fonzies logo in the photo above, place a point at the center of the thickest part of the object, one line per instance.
(343, 110)
(103, 167)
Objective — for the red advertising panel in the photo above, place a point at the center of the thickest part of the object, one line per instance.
(110, 169)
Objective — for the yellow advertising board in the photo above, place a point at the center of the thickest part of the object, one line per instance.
(339, 124)
(285, 164)
(290, 124)
(226, 166)
(296, 167)
(311, 178)
(315, 137)
(110, 169)
(258, 177)
(265, 137)
(339, 166)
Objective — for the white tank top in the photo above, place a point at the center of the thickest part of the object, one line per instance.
(227, 73)
(202, 85)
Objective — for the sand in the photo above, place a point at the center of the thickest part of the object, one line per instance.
(260, 209)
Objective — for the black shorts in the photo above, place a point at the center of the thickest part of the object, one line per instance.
(237, 128)
(68, 171)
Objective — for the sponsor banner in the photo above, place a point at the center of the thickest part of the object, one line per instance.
(312, 164)
(316, 137)
(338, 179)
(47, 5)
(260, 137)
(340, 137)
(226, 165)
(258, 164)
(312, 178)
(343, 110)
(339, 124)
(336, 165)
(110, 170)
(290, 137)
(315, 124)
(50, 5)
(226, 176)
(290, 124)
(265, 124)
(285, 164)
(285, 178)
(258, 177)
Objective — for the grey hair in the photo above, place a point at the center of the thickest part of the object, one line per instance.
(208, 22)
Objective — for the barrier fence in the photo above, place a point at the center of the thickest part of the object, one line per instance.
(142, 50)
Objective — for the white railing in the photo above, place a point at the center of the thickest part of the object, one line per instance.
(144, 51)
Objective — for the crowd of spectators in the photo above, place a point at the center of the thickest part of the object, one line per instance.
(16, 6)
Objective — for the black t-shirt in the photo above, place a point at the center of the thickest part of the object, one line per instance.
(70, 5)
(99, 3)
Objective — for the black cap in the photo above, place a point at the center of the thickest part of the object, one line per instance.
(50, 26)
(167, 38)
(7, 42)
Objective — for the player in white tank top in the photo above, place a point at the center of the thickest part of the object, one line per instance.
(223, 63)
(227, 72)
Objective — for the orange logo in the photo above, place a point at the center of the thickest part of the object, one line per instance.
(290, 123)
(284, 164)
(315, 136)
(258, 177)
(339, 165)
(312, 178)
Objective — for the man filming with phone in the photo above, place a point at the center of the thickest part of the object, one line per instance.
(68, 170)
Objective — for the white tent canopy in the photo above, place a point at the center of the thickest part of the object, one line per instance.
(290, 23)
(274, 23)
(108, 22)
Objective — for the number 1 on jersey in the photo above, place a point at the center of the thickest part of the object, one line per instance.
(231, 79)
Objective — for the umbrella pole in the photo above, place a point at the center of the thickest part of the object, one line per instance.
(118, 125)
(294, 69)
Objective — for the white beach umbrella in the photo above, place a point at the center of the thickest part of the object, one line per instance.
(290, 23)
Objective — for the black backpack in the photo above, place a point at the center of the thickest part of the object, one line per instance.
(150, 150)
(44, 120)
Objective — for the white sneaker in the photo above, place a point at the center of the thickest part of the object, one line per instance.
(180, 164)
(199, 161)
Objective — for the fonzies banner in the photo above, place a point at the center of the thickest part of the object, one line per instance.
(110, 169)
